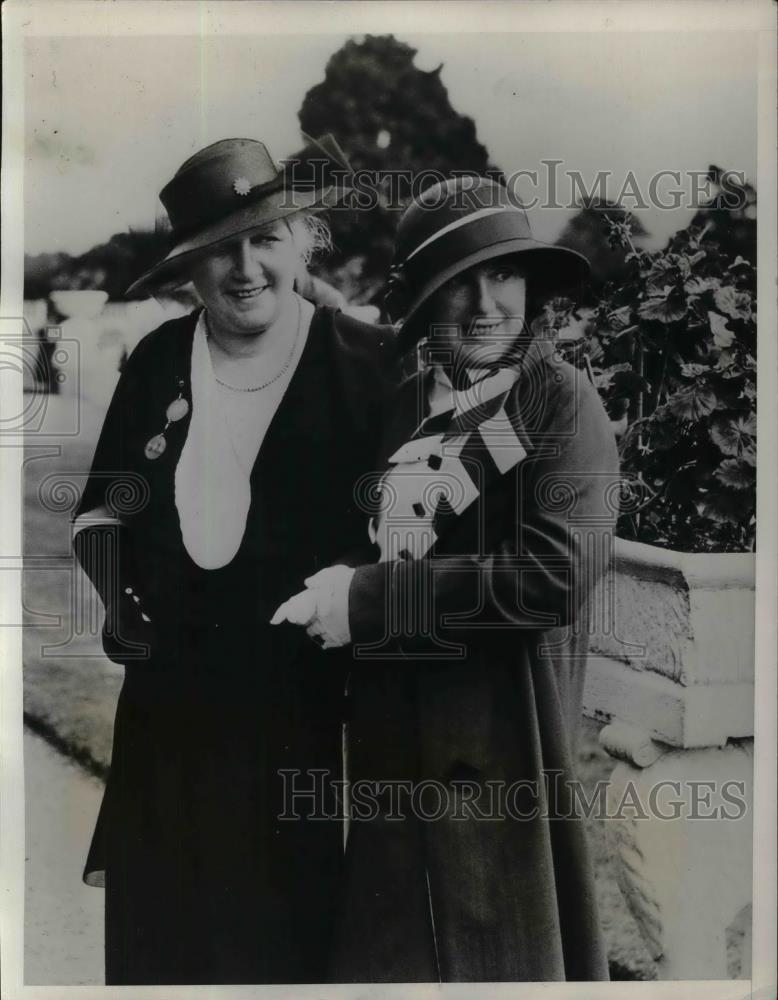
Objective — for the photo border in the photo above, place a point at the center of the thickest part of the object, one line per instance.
(146, 17)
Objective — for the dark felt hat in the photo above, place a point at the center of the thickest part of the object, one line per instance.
(456, 224)
(234, 187)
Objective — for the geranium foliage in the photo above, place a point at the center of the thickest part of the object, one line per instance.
(672, 351)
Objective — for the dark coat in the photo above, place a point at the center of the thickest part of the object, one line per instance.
(461, 897)
(203, 883)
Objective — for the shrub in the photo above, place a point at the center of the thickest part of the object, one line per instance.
(672, 351)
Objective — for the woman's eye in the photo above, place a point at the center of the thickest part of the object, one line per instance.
(264, 241)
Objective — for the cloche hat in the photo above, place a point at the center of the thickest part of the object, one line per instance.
(456, 224)
(233, 187)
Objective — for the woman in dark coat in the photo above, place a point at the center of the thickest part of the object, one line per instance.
(223, 472)
(493, 513)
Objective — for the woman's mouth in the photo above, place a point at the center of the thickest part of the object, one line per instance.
(486, 326)
(244, 294)
(483, 329)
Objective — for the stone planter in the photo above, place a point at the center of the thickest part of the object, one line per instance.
(79, 303)
(671, 671)
(672, 645)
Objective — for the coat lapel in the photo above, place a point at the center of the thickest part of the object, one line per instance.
(490, 440)
(475, 447)
(167, 382)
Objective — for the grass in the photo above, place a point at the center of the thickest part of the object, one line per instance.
(70, 689)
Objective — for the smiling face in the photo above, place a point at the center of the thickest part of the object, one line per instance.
(246, 283)
(478, 314)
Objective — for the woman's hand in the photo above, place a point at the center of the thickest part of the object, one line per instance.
(322, 608)
(298, 610)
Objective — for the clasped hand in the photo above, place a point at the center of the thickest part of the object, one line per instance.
(322, 608)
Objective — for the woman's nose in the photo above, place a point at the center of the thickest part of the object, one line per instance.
(485, 296)
(246, 259)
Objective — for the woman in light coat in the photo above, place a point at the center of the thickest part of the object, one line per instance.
(492, 511)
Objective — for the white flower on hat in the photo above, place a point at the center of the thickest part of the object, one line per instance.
(241, 185)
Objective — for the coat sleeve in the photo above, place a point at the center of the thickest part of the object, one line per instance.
(104, 548)
(111, 482)
(554, 546)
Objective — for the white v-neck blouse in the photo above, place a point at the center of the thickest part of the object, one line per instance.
(212, 480)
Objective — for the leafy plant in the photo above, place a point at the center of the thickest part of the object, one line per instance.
(672, 351)
(586, 233)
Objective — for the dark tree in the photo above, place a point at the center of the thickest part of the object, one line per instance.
(124, 258)
(111, 266)
(41, 271)
(389, 116)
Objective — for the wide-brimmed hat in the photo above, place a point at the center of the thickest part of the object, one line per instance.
(456, 224)
(233, 187)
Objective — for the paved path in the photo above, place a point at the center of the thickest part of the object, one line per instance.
(63, 917)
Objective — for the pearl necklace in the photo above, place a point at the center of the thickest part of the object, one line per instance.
(277, 376)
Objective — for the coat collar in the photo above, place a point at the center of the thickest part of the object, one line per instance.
(482, 447)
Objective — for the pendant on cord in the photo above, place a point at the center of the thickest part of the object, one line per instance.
(155, 447)
(175, 411)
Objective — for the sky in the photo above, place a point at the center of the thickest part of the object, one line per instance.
(109, 119)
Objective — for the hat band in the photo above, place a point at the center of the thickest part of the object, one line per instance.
(459, 241)
(457, 223)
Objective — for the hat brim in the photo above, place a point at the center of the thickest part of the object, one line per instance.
(549, 269)
(245, 220)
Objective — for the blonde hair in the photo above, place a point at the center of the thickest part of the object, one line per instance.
(311, 235)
